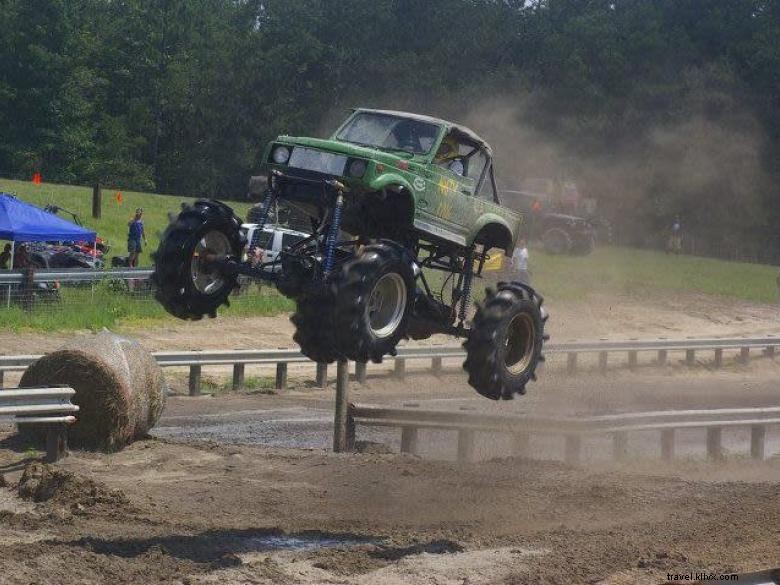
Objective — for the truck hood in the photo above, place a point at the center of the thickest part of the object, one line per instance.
(347, 148)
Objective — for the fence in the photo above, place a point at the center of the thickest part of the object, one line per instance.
(49, 407)
(410, 421)
(91, 299)
(282, 358)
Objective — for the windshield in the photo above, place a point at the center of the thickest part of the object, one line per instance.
(388, 132)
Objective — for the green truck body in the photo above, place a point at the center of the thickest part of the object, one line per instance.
(443, 204)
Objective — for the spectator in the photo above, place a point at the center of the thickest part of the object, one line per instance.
(520, 262)
(21, 260)
(5, 257)
(135, 234)
(675, 240)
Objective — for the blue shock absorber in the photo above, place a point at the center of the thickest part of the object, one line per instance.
(468, 278)
(333, 235)
(270, 200)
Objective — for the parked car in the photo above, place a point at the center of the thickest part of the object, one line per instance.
(271, 240)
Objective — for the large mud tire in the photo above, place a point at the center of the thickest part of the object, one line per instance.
(363, 312)
(504, 346)
(187, 289)
(557, 241)
(584, 246)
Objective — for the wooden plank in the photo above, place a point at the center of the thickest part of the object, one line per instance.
(322, 376)
(194, 382)
(620, 445)
(757, 441)
(603, 357)
(714, 443)
(281, 376)
(342, 403)
(571, 363)
(667, 444)
(238, 377)
(409, 440)
(360, 372)
(400, 368)
(465, 446)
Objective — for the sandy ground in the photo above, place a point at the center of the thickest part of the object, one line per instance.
(603, 317)
(188, 512)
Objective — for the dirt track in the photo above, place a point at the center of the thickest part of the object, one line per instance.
(197, 512)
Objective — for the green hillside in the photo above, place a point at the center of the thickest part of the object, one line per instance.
(112, 226)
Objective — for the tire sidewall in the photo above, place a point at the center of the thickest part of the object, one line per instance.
(528, 307)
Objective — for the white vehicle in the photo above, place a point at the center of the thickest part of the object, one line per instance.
(271, 240)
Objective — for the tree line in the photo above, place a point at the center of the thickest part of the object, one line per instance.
(656, 108)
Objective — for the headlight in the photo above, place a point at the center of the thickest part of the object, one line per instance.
(281, 155)
(357, 168)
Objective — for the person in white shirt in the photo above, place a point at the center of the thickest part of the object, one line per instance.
(520, 262)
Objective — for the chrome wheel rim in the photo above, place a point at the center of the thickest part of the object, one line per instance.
(386, 305)
(519, 348)
(204, 269)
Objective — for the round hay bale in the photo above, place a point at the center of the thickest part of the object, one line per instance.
(119, 387)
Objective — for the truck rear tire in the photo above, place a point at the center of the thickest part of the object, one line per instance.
(504, 346)
(189, 281)
(363, 312)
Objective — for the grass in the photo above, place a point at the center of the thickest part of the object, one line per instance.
(609, 270)
(626, 271)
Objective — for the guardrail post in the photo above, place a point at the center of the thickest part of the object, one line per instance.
(436, 365)
(632, 359)
(360, 372)
(465, 446)
(571, 363)
(757, 441)
(521, 444)
(620, 445)
(238, 377)
(342, 400)
(195, 380)
(400, 368)
(690, 357)
(718, 358)
(744, 355)
(714, 443)
(662, 355)
(409, 440)
(351, 430)
(2, 376)
(56, 442)
(281, 376)
(573, 449)
(667, 444)
(770, 351)
(322, 375)
(603, 362)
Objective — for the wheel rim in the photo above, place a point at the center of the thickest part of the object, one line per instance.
(386, 305)
(519, 348)
(204, 270)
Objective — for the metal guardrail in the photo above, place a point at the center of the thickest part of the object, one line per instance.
(50, 407)
(77, 275)
(282, 357)
(411, 420)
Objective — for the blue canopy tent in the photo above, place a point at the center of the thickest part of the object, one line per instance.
(22, 222)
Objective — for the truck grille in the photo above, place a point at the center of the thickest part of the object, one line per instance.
(309, 159)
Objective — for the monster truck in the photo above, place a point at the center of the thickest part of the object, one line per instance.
(391, 197)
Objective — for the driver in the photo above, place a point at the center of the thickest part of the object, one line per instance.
(448, 155)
